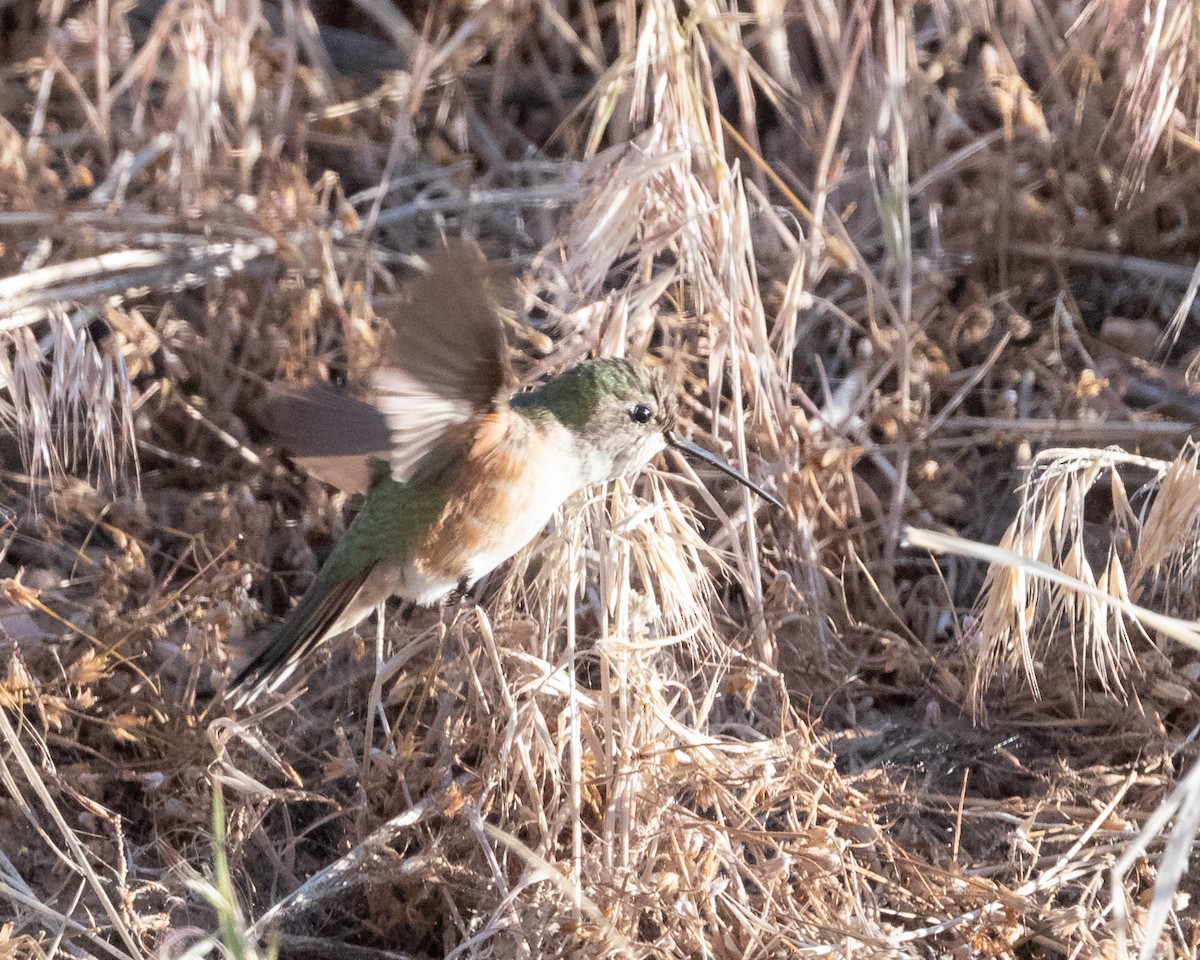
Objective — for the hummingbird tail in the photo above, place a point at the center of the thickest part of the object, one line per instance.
(314, 618)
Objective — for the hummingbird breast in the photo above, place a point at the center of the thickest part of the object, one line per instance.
(512, 476)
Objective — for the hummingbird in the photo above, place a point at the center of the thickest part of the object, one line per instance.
(459, 471)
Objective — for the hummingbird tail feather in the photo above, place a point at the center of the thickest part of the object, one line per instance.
(313, 619)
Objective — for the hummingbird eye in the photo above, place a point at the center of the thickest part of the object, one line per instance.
(640, 413)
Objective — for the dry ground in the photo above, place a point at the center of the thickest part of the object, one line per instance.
(917, 263)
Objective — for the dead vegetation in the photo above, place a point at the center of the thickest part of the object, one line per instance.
(896, 249)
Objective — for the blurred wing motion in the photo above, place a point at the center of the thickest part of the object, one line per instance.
(446, 361)
(330, 434)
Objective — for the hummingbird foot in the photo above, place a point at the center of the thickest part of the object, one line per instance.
(463, 595)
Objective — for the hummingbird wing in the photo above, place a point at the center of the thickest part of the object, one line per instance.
(448, 359)
(330, 434)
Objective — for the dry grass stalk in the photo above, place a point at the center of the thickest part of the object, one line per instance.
(1024, 613)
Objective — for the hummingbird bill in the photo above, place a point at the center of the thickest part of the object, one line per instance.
(459, 471)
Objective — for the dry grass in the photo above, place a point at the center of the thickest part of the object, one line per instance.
(891, 249)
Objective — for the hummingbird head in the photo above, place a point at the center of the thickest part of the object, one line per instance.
(620, 415)
(617, 412)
